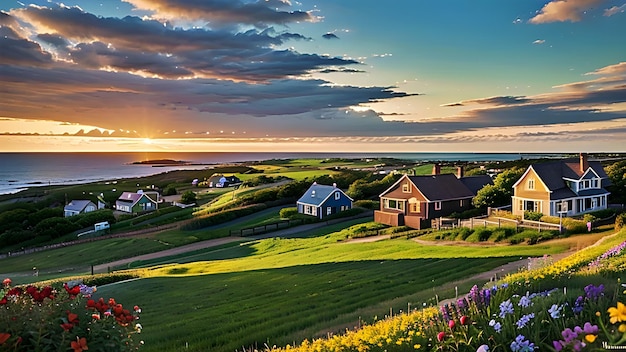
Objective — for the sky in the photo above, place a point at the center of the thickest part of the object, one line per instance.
(320, 76)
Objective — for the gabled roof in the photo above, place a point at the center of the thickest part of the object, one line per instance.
(475, 183)
(77, 205)
(441, 187)
(317, 194)
(133, 198)
(552, 173)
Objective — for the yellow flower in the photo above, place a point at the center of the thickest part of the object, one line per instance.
(622, 328)
(617, 313)
(590, 338)
(417, 346)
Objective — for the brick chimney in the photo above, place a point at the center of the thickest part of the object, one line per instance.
(436, 169)
(459, 172)
(584, 163)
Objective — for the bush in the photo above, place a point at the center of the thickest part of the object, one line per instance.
(501, 234)
(483, 234)
(65, 318)
(188, 197)
(620, 221)
(470, 213)
(170, 191)
(532, 215)
(367, 204)
(287, 213)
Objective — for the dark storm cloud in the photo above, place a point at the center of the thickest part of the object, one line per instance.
(53, 39)
(330, 36)
(22, 51)
(225, 12)
(145, 45)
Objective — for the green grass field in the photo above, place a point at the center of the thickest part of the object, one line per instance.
(278, 291)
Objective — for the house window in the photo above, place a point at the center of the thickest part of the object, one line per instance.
(394, 204)
(337, 195)
(461, 203)
(406, 188)
(314, 211)
(329, 210)
(520, 205)
(437, 205)
(415, 207)
(531, 184)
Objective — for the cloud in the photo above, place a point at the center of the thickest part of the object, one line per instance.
(539, 41)
(218, 12)
(330, 36)
(614, 10)
(496, 101)
(564, 10)
(616, 69)
(148, 46)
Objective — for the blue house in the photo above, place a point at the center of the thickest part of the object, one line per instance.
(322, 201)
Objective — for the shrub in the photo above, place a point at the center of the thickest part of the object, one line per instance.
(64, 318)
(288, 213)
(464, 233)
(532, 215)
(501, 234)
(188, 197)
(620, 221)
(170, 191)
(367, 204)
(483, 234)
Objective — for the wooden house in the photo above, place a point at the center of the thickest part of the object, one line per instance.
(563, 187)
(136, 203)
(416, 200)
(322, 201)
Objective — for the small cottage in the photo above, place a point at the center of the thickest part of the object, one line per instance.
(322, 200)
(80, 206)
(135, 203)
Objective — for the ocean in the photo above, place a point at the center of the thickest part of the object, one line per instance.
(20, 171)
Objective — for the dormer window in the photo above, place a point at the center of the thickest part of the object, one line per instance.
(406, 188)
(530, 184)
(313, 194)
(337, 196)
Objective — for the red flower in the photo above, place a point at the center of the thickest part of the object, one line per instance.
(72, 291)
(67, 326)
(451, 324)
(72, 318)
(79, 345)
(6, 282)
(15, 291)
(4, 337)
(440, 336)
(464, 320)
(137, 309)
(3, 301)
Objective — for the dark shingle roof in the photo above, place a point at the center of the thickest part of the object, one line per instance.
(475, 183)
(552, 173)
(441, 187)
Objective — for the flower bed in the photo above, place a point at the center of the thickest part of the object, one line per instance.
(64, 318)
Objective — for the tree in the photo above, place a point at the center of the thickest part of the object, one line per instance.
(188, 197)
(498, 194)
(617, 175)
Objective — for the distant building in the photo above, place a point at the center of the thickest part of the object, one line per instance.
(79, 206)
(135, 203)
(414, 201)
(221, 181)
(564, 187)
(321, 201)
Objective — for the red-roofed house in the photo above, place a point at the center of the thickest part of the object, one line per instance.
(135, 203)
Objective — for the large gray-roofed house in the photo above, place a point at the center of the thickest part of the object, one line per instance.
(562, 187)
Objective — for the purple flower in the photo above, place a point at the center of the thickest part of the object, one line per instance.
(525, 302)
(594, 292)
(578, 305)
(555, 311)
(524, 320)
(590, 329)
(522, 345)
(569, 335)
(506, 307)
(496, 325)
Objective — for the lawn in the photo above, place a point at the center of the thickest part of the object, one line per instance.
(284, 290)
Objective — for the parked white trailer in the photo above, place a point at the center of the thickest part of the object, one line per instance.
(100, 226)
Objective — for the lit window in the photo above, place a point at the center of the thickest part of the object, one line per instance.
(415, 207)
(437, 205)
(531, 184)
(406, 188)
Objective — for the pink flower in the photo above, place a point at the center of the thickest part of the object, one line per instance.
(451, 324)
(440, 336)
(6, 282)
(464, 320)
